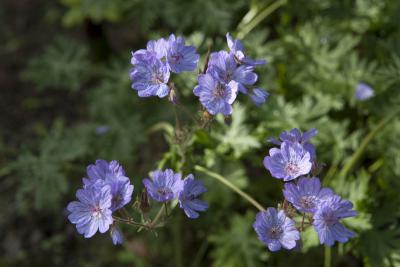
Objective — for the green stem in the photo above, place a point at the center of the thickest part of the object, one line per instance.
(189, 113)
(130, 221)
(178, 242)
(364, 144)
(255, 16)
(166, 209)
(200, 253)
(327, 257)
(158, 216)
(341, 249)
(224, 181)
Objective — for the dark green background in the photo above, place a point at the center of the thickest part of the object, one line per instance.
(64, 72)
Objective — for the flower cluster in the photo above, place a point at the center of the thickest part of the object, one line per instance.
(293, 162)
(227, 74)
(106, 190)
(152, 66)
(167, 185)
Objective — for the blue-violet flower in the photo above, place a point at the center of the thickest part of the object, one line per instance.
(150, 77)
(307, 194)
(188, 197)
(181, 57)
(92, 210)
(327, 220)
(116, 235)
(289, 162)
(216, 97)
(223, 66)
(113, 175)
(236, 47)
(258, 96)
(164, 185)
(276, 230)
(364, 92)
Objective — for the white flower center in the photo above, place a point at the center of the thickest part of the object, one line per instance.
(292, 168)
(96, 212)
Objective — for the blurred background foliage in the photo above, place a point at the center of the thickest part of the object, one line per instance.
(66, 101)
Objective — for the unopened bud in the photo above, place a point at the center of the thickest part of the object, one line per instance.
(317, 168)
(228, 120)
(144, 203)
(173, 95)
(206, 115)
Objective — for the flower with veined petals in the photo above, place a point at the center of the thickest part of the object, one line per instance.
(149, 77)
(288, 162)
(307, 194)
(181, 57)
(113, 175)
(188, 197)
(92, 212)
(216, 97)
(223, 67)
(295, 135)
(327, 220)
(276, 230)
(164, 185)
(236, 47)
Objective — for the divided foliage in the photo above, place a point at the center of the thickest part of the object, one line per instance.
(317, 52)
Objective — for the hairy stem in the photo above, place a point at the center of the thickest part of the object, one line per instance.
(157, 218)
(327, 257)
(130, 221)
(302, 222)
(227, 183)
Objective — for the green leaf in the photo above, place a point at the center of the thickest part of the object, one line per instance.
(235, 137)
(237, 245)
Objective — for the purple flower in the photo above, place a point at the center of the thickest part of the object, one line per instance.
(258, 96)
(188, 201)
(223, 66)
(164, 186)
(364, 92)
(113, 175)
(156, 49)
(116, 235)
(216, 97)
(276, 230)
(102, 129)
(326, 220)
(289, 162)
(237, 49)
(121, 190)
(307, 194)
(92, 210)
(181, 57)
(295, 135)
(149, 77)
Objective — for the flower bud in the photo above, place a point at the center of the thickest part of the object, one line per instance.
(144, 204)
